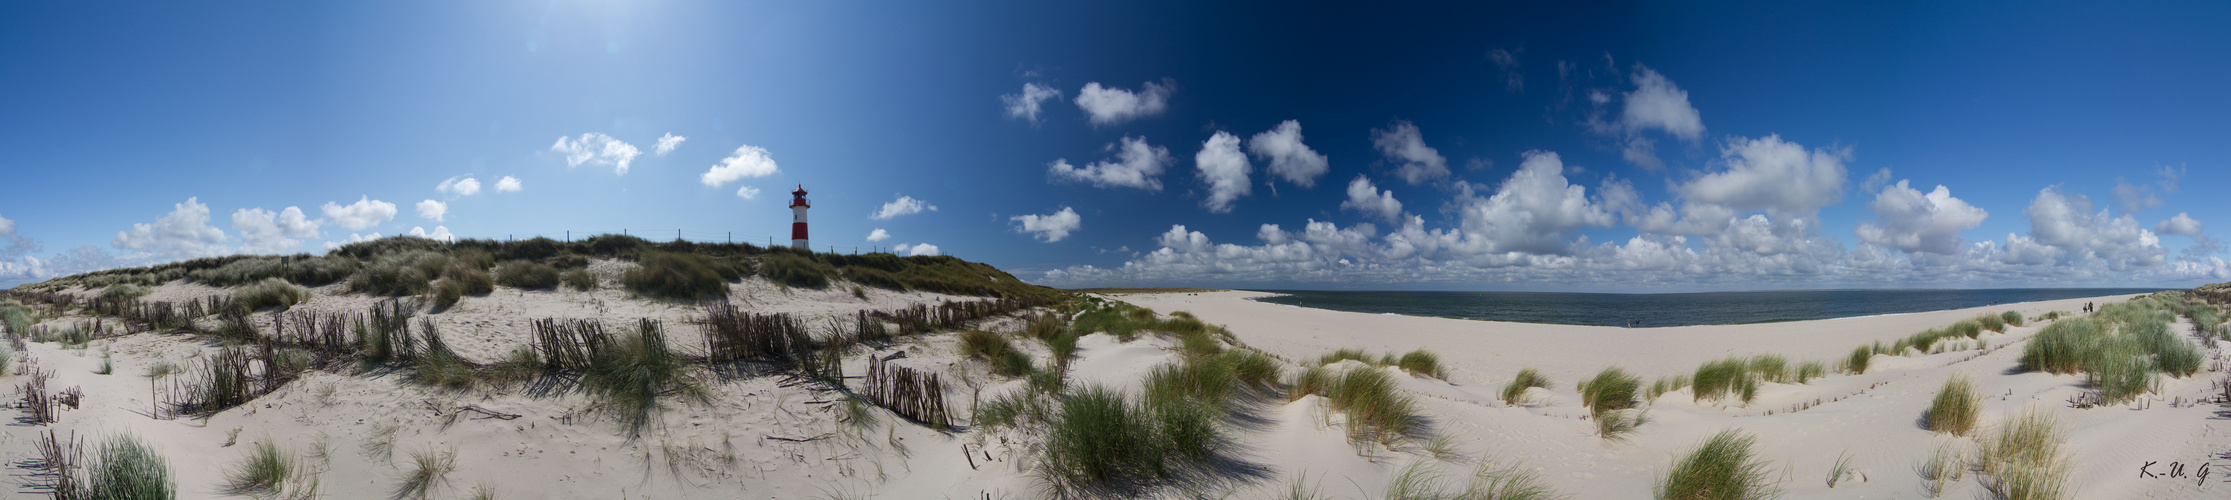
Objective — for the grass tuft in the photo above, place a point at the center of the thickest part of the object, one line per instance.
(579, 279)
(527, 274)
(263, 472)
(1375, 410)
(2025, 458)
(1515, 392)
(1956, 408)
(1722, 467)
(1421, 362)
(634, 372)
(428, 468)
(1611, 390)
(1857, 362)
(677, 276)
(1313, 380)
(128, 469)
(271, 292)
(994, 348)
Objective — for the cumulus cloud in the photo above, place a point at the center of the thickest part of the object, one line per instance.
(1405, 147)
(914, 250)
(1110, 105)
(1368, 199)
(879, 235)
(263, 231)
(2182, 224)
(1026, 105)
(440, 234)
(1137, 165)
(365, 213)
(1656, 103)
(1917, 222)
(2135, 198)
(1508, 62)
(597, 149)
(905, 205)
(508, 184)
(1533, 211)
(749, 161)
(667, 143)
(460, 186)
(2066, 222)
(431, 209)
(184, 232)
(1050, 227)
(1289, 158)
(747, 192)
(1225, 169)
(1772, 174)
(18, 245)
(1653, 103)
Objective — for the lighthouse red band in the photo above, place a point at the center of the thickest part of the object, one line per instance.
(798, 206)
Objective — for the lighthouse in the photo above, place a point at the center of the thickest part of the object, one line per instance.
(798, 206)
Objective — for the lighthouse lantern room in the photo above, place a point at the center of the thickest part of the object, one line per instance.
(798, 206)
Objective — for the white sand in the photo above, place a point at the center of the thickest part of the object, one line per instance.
(559, 449)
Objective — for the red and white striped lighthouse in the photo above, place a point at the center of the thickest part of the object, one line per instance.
(798, 206)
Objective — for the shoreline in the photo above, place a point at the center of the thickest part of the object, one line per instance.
(1259, 295)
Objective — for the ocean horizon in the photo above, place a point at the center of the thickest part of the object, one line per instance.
(1650, 310)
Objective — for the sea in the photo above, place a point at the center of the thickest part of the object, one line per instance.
(1672, 309)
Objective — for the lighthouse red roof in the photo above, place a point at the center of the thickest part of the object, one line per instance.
(801, 190)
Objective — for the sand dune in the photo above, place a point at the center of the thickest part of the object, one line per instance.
(773, 436)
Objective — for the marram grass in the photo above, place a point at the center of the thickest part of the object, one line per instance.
(1956, 407)
(1722, 467)
(1514, 392)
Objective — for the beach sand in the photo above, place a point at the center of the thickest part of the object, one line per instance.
(773, 437)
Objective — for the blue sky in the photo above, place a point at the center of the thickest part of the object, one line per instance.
(1477, 147)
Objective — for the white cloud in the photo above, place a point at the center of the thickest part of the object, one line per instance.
(1771, 174)
(508, 184)
(459, 186)
(879, 235)
(914, 250)
(365, 213)
(431, 209)
(1368, 199)
(1137, 165)
(1026, 104)
(1656, 103)
(1110, 105)
(2182, 224)
(2135, 198)
(747, 192)
(267, 232)
(1289, 158)
(1225, 169)
(184, 232)
(749, 161)
(905, 205)
(1531, 212)
(18, 245)
(1917, 222)
(599, 149)
(667, 143)
(440, 234)
(1508, 62)
(2065, 222)
(1403, 145)
(1050, 227)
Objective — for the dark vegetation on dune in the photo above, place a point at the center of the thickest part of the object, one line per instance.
(678, 270)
